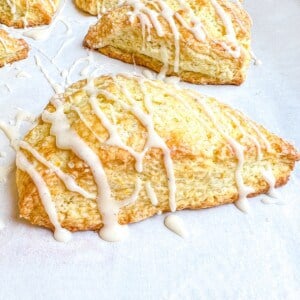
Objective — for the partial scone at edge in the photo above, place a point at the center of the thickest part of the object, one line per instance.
(11, 49)
(200, 62)
(204, 162)
(29, 13)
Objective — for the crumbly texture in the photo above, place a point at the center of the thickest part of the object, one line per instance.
(11, 49)
(20, 13)
(204, 162)
(200, 62)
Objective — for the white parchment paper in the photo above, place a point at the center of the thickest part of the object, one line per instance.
(228, 255)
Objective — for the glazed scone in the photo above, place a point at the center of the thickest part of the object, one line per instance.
(203, 42)
(96, 7)
(117, 150)
(20, 13)
(11, 49)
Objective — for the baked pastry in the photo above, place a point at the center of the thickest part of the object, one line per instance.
(11, 49)
(97, 7)
(203, 42)
(27, 13)
(117, 150)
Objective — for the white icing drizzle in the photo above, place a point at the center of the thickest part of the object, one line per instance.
(257, 61)
(68, 180)
(60, 234)
(235, 49)
(258, 132)
(150, 18)
(153, 139)
(4, 172)
(3, 43)
(2, 154)
(148, 74)
(23, 74)
(245, 134)
(114, 138)
(84, 72)
(271, 180)
(12, 131)
(165, 60)
(62, 47)
(151, 193)
(175, 224)
(67, 138)
(56, 87)
(243, 190)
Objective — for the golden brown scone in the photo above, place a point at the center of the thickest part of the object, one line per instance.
(96, 7)
(11, 49)
(201, 134)
(27, 13)
(203, 42)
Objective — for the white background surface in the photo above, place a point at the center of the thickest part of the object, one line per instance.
(229, 255)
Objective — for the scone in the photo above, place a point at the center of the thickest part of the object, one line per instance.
(97, 7)
(11, 49)
(117, 150)
(27, 13)
(203, 42)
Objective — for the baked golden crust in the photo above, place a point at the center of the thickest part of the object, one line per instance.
(204, 161)
(96, 7)
(11, 49)
(202, 62)
(27, 13)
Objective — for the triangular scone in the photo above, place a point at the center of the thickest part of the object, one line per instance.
(122, 149)
(203, 42)
(96, 7)
(11, 49)
(27, 13)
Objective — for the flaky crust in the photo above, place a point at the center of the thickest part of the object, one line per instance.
(11, 49)
(20, 13)
(200, 62)
(204, 162)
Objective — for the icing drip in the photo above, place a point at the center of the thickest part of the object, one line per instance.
(12, 131)
(168, 14)
(257, 61)
(271, 180)
(67, 179)
(243, 190)
(235, 49)
(245, 134)
(175, 224)
(165, 60)
(60, 234)
(4, 172)
(67, 138)
(151, 193)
